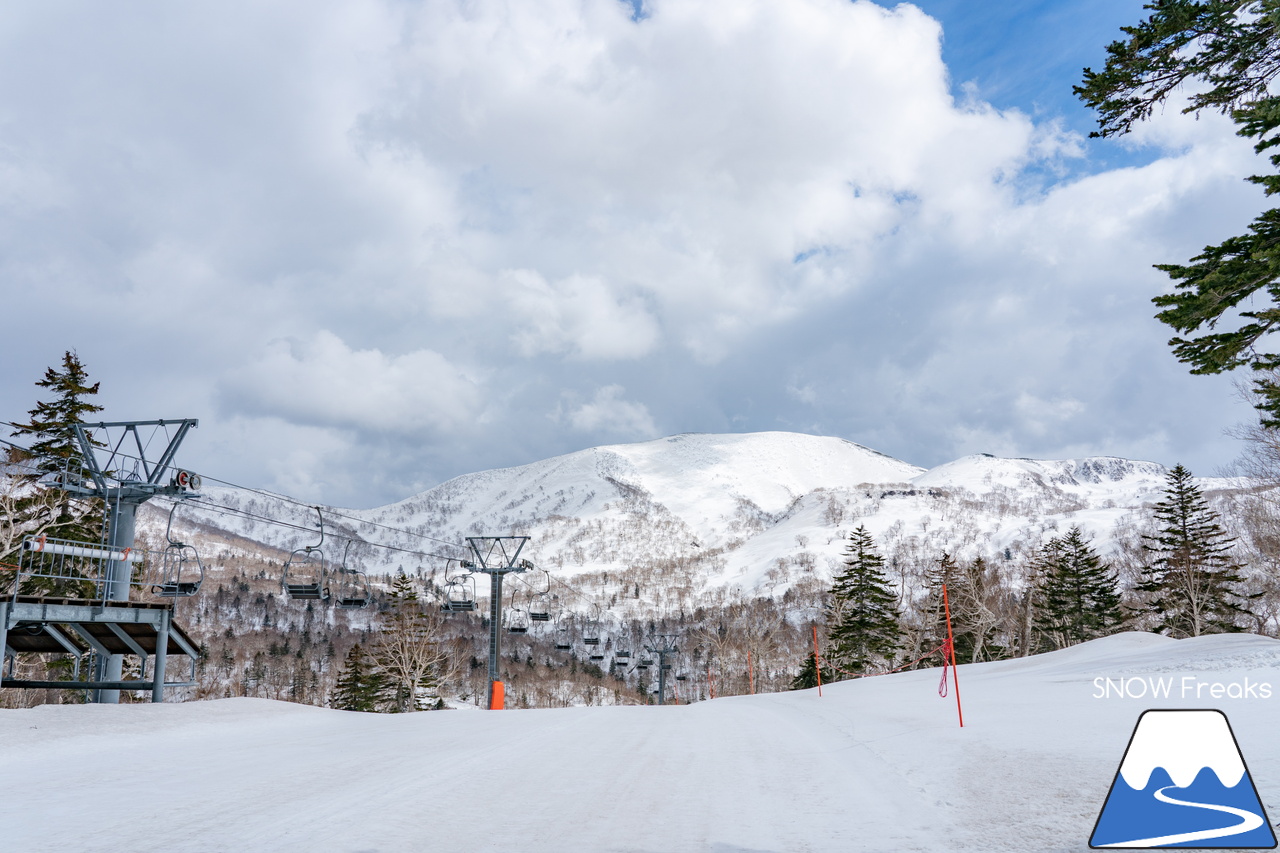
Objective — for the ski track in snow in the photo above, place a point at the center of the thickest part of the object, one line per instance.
(873, 765)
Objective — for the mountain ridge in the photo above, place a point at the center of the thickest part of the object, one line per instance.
(755, 512)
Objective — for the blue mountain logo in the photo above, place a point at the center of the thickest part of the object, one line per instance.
(1183, 783)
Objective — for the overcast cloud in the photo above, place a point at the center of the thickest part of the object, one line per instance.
(373, 245)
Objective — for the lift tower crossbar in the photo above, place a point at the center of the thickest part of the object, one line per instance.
(496, 556)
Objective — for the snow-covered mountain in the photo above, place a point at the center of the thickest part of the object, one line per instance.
(754, 512)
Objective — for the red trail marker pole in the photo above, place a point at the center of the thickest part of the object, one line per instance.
(817, 661)
(951, 647)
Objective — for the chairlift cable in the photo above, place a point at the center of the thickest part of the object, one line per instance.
(287, 499)
(267, 520)
(227, 510)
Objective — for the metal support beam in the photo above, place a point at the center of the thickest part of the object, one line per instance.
(100, 657)
(162, 656)
(62, 640)
(91, 685)
(72, 649)
(93, 642)
(128, 641)
(5, 651)
(495, 631)
(124, 516)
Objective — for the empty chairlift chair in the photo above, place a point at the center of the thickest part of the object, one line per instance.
(459, 594)
(538, 609)
(181, 571)
(353, 585)
(591, 631)
(518, 623)
(564, 638)
(306, 572)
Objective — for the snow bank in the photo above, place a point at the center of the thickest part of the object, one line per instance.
(877, 764)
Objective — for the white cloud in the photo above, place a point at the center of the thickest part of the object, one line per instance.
(322, 381)
(579, 315)
(609, 414)
(1040, 416)
(672, 171)
(359, 223)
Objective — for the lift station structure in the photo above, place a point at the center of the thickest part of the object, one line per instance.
(107, 626)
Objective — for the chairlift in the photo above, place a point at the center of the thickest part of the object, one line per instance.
(459, 592)
(518, 623)
(591, 631)
(564, 638)
(310, 571)
(538, 610)
(181, 571)
(622, 655)
(353, 585)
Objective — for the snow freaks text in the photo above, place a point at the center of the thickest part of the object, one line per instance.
(1183, 687)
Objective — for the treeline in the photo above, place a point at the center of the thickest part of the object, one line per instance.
(1186, 585)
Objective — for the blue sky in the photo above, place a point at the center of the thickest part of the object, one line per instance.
(1028, 54)
(375, 244)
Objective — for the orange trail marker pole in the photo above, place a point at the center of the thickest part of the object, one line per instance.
(817, 661)
(951, 646)
(499, 697)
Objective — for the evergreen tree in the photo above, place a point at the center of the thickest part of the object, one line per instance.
(1077, 595)
(864, 608)
(808, 675)
(408, 652)
(52, 426)
(53, 448)
(1190, 585)
(1224, 55)
(360, 687)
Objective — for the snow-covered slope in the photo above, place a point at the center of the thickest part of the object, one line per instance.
(877, 764)
(755, 512)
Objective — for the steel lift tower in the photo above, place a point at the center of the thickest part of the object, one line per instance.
(662, 645)
(496, 556)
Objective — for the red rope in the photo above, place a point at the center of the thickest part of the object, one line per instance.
(946, 662)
